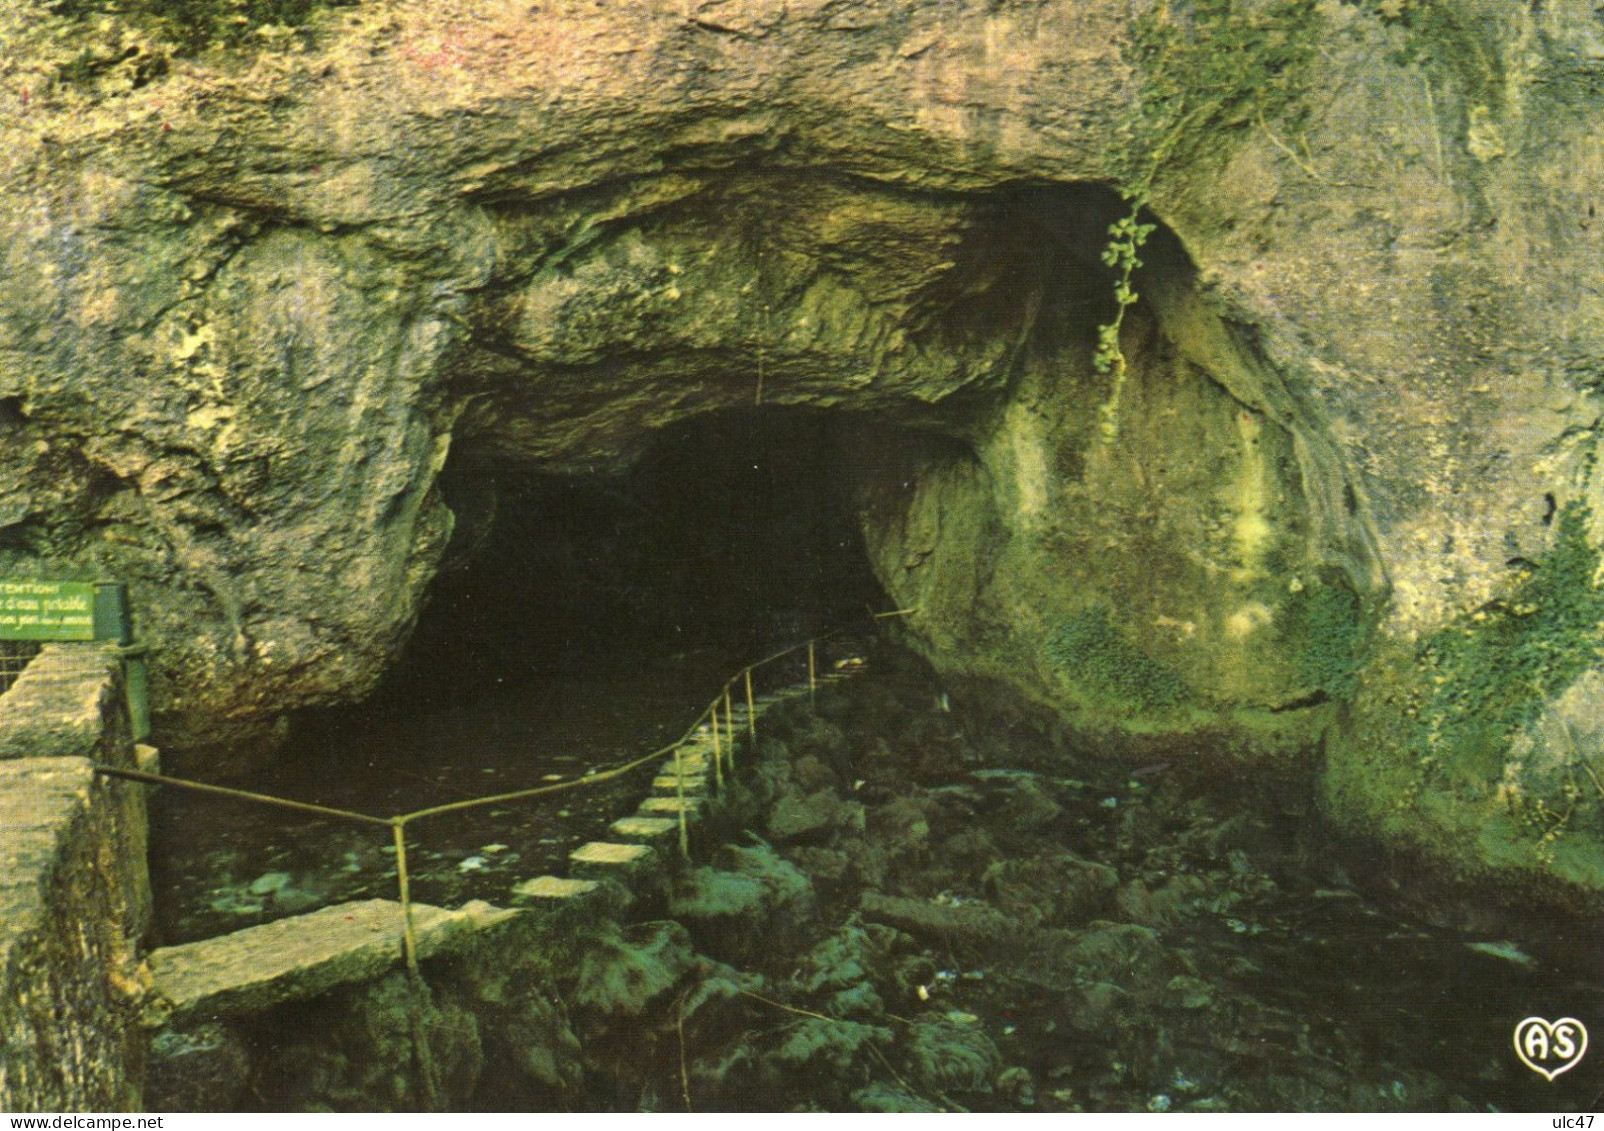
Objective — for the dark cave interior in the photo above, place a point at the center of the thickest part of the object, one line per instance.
(733, 534)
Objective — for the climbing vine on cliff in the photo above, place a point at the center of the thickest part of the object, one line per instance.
(1204, 67)
(1126, 237)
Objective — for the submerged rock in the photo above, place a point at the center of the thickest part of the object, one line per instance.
(951, 1058)
(745, 897)
(1054, 889)
(202, 1068)
(625, 975)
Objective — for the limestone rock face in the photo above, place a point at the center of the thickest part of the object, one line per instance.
(258, 300)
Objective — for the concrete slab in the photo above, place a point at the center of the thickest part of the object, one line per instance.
(301, 957)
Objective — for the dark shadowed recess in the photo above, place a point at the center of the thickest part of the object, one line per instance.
(732, 535)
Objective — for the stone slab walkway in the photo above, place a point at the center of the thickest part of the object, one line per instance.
(297, 958)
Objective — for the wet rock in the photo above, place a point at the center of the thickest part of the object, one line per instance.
(394, 1045)
(975, 926)
(540, 1050)
(532, 1052)
(270, 883)
(739, 901)
(905, 822)
(825, 865)
(811, 817)
(1158, 907)
(1097, 1007)
(1190, 993)
(202, 1068)
(1053, 889)
(1017, 1085)
(886, 1098)
(948, 1057)
(825, 744)
(840, 973)
(1123, 954)
(625, 975)
(827, 1048)
(810, 772)
(1030, 805)
(969, 850)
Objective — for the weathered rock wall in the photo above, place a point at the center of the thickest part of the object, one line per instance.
(76, 896)
(255, 300)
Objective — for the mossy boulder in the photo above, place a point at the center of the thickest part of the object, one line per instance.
(733, 903)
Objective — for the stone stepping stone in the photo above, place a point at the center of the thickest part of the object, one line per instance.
(553, 888)
(670, 806)
(672, 784)
(607, 858)
(644, 829)
(300, 957)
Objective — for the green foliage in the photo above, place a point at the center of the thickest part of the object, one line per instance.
(1213, 64)
(194, 25)
(1323, 625)
(1444, 35)
(838, 971)
(1492, 672)
(1125, 238)
(883, 1098)
(1090, 651)
(1203, 66)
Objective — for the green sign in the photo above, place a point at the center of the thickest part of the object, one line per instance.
(47, 610)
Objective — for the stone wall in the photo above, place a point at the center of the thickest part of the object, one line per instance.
(74, 894)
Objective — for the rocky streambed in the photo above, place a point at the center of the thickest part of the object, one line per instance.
(902, 910)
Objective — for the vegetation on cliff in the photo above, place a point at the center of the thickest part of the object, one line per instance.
(194, 25)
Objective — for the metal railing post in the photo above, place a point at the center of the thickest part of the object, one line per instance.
(751, 711)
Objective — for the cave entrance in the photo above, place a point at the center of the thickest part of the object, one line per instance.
(731, 535)
(589, 621)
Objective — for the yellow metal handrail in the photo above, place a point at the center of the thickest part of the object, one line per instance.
(723, 746)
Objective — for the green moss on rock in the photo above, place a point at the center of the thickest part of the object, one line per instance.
(194, 25)
(1491, 672)
(1217, 63)
(1323, 628)
(1092, 653)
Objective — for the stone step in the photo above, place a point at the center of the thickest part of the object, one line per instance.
(700, 767)
(606, 858)
(670, 806)
(300, 957)
(670, 785)
(551, 888)
(647, 830)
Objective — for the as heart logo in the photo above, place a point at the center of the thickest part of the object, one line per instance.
(1550, 1047)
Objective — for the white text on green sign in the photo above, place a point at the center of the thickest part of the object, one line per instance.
(47, 610)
